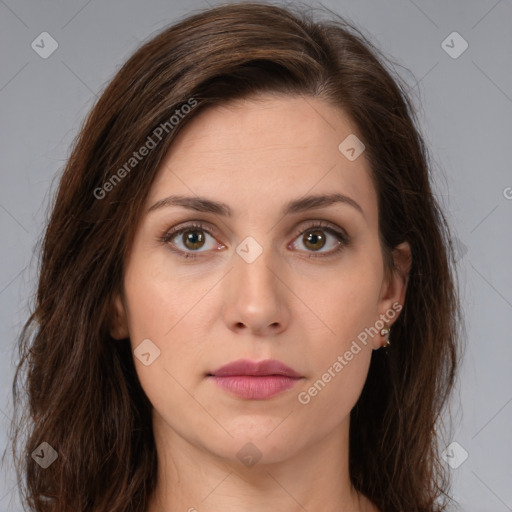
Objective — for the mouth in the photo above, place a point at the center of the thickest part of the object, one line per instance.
(255, 380)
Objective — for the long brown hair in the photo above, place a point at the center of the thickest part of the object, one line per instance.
(84, 397)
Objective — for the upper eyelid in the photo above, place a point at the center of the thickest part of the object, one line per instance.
(207, 226)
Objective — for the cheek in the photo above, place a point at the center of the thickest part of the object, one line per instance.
(161, 299)
(347, 302)
(172, 309)
(348, 308)
(326, 400)
(164, 309)
(340, 360)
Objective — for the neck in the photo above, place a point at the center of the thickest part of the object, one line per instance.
(194, 479)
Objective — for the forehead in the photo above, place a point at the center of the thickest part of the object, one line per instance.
(271, 148)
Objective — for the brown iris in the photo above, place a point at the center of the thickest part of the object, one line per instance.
(313, 237)
(193, 236)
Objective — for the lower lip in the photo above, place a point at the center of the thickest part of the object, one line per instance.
(255, 387)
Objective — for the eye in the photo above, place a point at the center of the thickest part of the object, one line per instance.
(192, 237)
(314, 238)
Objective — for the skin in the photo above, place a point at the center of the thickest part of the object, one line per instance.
(256, 155)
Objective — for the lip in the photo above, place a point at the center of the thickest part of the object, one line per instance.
(255, 380)
(255, 369)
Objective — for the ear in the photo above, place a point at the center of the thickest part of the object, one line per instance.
(118, 319)
(394, 287)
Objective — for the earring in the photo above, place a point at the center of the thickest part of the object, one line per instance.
(385, 332)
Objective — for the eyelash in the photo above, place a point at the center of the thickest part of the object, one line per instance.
(343, 238)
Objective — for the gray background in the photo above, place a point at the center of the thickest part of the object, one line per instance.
(466, 113)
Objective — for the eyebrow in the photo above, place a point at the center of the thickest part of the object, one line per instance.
(203, 204)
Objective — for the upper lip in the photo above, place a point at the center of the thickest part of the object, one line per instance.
(255, 368)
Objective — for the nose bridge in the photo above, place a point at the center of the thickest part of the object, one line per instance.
(255, 297)
(253, 263)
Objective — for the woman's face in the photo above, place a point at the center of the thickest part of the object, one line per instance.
(260, 283)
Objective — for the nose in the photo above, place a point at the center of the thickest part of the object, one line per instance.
(256, 295)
